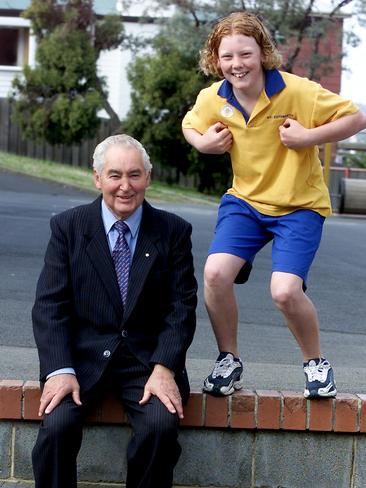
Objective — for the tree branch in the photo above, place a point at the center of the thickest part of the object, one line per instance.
(291, 59)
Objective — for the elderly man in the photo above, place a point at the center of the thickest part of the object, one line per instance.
(114, 312)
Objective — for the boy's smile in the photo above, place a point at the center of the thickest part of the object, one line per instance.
(240, 60)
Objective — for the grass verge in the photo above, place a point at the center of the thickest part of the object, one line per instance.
(81, 178)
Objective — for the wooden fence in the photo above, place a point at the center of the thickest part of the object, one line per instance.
(78, 155)
(11, 141)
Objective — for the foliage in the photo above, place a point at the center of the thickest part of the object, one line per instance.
(58, 100)
(293, 23)
(164, 84)
(355, 159)
(166, 81)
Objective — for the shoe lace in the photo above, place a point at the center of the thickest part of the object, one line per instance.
(225, 367)
(317, 372)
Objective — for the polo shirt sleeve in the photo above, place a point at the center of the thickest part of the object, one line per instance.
(329, 106)
(201, 116)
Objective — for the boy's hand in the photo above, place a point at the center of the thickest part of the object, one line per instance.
(216, 140)
(293, 135)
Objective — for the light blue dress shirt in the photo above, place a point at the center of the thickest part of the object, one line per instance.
(109, 219)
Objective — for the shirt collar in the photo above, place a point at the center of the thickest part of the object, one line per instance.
(133, 221)
(273, 84)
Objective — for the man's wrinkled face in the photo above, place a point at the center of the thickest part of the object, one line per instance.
(123, 180)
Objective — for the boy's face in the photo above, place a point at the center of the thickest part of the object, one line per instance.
(240, 60)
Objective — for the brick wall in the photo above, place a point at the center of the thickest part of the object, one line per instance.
(327, 74)
(271, 439)
(246, 409)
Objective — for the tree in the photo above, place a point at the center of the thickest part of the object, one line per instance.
(291, 22)
(166, 82)
(58, 100)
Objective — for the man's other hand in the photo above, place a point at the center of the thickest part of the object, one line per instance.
(55, 389)
(162, 384)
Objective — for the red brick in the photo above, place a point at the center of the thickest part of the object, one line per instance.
(346, 413)
(193, 414)
(362, 412)
(107, 411)
(321, 414)
(111, 411)
(216, 414)
(11, 399)
(330, 48)
(243, 410)
(31, 399)
(95, 414)
(269, 409)
(294, 411)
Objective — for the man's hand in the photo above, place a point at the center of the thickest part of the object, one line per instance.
(162, 384)
(293, 135)
(55, 389)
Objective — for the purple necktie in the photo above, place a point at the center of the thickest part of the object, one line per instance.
(122, 256)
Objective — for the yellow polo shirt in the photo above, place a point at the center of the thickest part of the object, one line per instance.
(272, 178)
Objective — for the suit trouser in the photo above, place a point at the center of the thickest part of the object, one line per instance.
(153, 450)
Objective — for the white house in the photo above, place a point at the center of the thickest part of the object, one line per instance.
(18, 46)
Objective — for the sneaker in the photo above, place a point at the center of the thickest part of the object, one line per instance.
(319, 379)
(226, 376)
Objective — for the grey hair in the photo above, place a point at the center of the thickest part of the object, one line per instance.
(123, 140)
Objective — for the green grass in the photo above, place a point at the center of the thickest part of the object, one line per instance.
(82, 178)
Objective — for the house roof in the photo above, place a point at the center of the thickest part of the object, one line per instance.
(101, 7)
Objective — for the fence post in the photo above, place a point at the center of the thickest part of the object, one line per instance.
(327, 158)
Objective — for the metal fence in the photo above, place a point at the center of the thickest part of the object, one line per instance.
(336, 185)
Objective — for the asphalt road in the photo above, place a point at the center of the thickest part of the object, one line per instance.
(336, 285)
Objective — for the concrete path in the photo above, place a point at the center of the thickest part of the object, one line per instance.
(272, 359)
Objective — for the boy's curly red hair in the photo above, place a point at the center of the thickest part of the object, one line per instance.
(244, 23)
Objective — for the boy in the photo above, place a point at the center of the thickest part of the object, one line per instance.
(271, 122)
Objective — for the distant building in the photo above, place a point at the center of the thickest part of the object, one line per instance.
(20, 49)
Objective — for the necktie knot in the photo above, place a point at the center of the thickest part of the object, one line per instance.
(121, 227)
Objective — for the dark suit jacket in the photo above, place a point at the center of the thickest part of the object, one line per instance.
(78, 316)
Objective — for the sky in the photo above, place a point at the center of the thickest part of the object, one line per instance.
(354, 81)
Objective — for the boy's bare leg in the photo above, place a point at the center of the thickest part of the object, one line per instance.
(299, 312)
(220, 272)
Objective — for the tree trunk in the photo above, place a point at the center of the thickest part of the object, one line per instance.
(115, 120)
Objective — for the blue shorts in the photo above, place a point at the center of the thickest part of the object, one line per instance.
(242, 231)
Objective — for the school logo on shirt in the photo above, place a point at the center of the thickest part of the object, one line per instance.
(227, 111)
(281, 116)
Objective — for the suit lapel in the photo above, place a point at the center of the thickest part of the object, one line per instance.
(143, 259)
(100, 256)
(145, 254)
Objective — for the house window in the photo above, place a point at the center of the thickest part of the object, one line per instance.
(14, 46)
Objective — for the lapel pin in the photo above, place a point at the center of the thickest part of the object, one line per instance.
(147, 255)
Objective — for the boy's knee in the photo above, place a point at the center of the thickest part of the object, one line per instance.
(285, 297)
(217, 275)
(212, 276)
